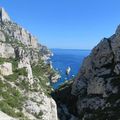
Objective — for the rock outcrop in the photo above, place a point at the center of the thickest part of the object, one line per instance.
(6, 69)
(3, 15)
(4, 116)
(6, 50)
(2, 36)
(97, 85)
(95, 91)
(45, 106)
(24, 74)
(54, 78)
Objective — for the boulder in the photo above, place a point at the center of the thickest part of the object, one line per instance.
(6, 69)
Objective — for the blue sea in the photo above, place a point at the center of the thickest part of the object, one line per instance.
(63, 58)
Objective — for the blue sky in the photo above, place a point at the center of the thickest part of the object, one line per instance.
(76, 24)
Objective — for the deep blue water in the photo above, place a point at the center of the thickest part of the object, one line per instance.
(67, 57)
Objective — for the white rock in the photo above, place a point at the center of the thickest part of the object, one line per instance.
(55, 78)
(4, 116)
(68, 70)
(4, 15)
(6, 50)
(41, 103)
(6, 69)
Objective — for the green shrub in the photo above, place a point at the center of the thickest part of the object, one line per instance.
(21, 71)
(20, 115)
(40, 113)
(13, 98)
(11, 95)
(1, 84)
(41, 71)
(14, 64)
(7, 109)
(2, 60)
(23, 84)
(13, 77)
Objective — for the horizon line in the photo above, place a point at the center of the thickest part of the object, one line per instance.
(70, 48)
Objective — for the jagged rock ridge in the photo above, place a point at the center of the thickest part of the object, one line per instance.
(24, 75)
(97, 85)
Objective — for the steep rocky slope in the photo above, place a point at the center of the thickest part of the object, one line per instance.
(24, 74)
(95, 92)
(98, 83)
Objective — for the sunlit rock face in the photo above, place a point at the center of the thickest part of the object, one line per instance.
(16, 32)
(3, 15)
(6, 69)
(24, 74)
(97, 85)
(4, 116)
(6, 50)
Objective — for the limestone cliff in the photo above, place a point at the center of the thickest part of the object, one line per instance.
(24, 74)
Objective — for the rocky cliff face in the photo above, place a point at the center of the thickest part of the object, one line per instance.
(97, 85)
(24, 75)
(95, 92)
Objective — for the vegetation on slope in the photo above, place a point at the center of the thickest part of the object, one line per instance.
(11, 99)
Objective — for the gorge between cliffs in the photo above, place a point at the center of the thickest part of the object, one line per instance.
(26, 76)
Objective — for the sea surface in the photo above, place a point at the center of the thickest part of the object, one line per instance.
(64, 58)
